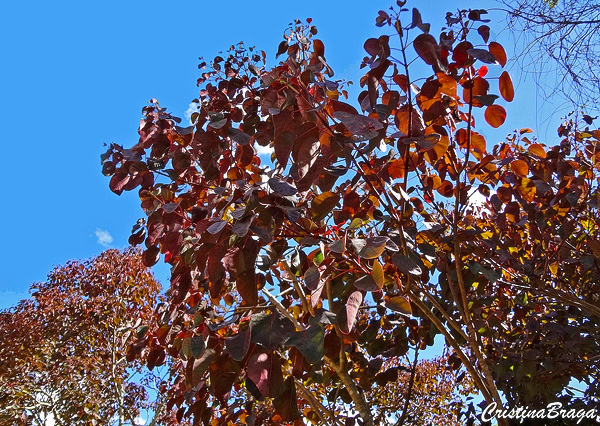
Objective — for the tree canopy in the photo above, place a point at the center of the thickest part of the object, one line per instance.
(297, 282)
(63, 352)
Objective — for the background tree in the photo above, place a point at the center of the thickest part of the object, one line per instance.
(560, 45)
(295, 281)
(62, 352)
(433, 395)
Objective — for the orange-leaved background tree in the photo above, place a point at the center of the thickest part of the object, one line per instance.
(298, 284)
(63, 353)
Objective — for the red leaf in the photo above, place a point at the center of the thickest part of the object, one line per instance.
(322, 204)
(520, 167)
(460, 55)
(359, 125)
(372, 46)
(366, 283)
(495, 115)
(484, 32)
(150, 256)
(156, 357)
(427, 48)
(282, 145)
(118, 182)
(537, 149)
(286, 404)
(264, 369)
(399, 304)
(497, 50)
(506, 87)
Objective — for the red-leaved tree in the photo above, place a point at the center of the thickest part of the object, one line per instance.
(296, 280)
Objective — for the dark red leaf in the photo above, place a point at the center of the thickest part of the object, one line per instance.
(286, 404)
(118, 182)
(283, 144)
(271, 330)
(484, 32)
(282, 187)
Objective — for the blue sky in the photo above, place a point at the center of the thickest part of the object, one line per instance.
(75, 75)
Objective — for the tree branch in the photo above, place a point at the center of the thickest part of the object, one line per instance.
(357, 397)
(411, 383)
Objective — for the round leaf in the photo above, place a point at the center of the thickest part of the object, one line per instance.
(372, 248)
(495, 115)
(323, 204)
(366, 283)
(537, 150)
(399, 304)
(406, 265)
(520, 167)
(497, 50)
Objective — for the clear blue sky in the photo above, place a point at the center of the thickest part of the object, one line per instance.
(75, 75)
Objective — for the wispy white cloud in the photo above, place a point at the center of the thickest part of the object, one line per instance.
(263, 150)
(191, 109)
(104, 237)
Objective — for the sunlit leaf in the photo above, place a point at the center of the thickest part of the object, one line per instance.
(498, 52)
(520, 167)
(495, 115)
(506, 87)
(370, 248)
(322, 205)
(446, 189)
(537, 150)
(264, 369)
(377, 274)
(399, 304)
(352, 305)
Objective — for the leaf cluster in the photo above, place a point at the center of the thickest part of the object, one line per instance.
(359, 239)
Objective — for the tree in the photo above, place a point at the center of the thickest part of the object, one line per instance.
(560, 37)
(295, 281)
(63, 351)
(440, 395)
